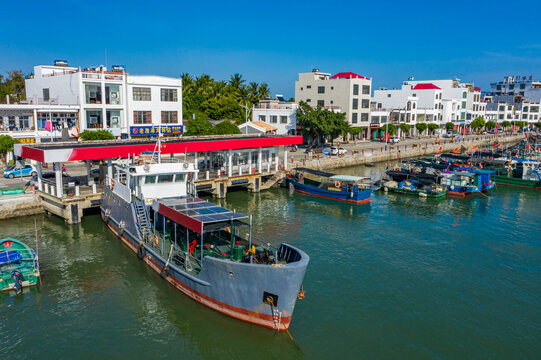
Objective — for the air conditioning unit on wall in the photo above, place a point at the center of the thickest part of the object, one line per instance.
(115, 97)
(115, 120)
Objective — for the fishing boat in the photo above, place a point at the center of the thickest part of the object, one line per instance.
(525, 174)
(205, 251)
(467, 182)
(408, 188)
(419, 175)
(354, 189)
(18, 265)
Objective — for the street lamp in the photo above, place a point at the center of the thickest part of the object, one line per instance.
(246, 111)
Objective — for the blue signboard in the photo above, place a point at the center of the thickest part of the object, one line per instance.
(155, 130)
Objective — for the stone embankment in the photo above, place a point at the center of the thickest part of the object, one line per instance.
(19, 205)
(397, 152)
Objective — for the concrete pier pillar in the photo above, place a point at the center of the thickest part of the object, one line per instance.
(58, 178)
(206, 160)
(259, 160)
(230, 163)
(196, 166)
(285, 158)
(40, 176)
(88, 171)
(276, 158)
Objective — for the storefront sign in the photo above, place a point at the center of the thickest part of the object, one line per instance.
(27, 140)
(155, 130)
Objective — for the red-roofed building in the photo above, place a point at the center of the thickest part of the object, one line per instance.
(347, 92)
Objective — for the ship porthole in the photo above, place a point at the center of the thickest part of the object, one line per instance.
(231, 274)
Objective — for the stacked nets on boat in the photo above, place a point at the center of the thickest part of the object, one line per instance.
(391, 184)
(433, 189)
(406, 186)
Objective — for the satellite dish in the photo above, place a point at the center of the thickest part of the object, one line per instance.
(186, 166)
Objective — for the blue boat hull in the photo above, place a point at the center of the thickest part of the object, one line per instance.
(359, 197)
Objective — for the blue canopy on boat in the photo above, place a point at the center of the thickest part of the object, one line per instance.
(10, 257)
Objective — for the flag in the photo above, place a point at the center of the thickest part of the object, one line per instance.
(49, 125)
(474, 148)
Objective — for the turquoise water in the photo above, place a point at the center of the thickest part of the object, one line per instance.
(401, 277)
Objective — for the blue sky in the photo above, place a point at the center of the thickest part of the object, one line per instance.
(476, 41)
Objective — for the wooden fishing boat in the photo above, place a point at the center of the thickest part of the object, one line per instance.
(408, 188)
(354, 189)
(18, 265)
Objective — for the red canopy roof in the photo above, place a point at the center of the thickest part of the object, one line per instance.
(348, 75)
(426, 86)
(476, 89)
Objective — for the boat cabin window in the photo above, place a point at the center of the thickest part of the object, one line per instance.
(165, 178)
(180, 177)
(150, 179)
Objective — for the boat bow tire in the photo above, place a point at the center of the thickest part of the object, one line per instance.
(141, 251)
(165, 272)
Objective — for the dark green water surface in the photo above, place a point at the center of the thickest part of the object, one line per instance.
(399, 278)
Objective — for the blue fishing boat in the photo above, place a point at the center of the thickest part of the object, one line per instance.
(205, 251)
(18, 265)
(466, 182)
(354, 189)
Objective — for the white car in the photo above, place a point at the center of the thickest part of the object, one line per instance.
(336, 151)
(394, 139)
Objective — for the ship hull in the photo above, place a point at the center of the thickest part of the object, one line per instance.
(231, 288)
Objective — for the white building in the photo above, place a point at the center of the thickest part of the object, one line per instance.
(348, 91)
(280, 114)
(518, 88)
(113, 100)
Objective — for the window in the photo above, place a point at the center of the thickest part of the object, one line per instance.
(308, 100)
(522, 86)
(355, 89)
(283, 119)
(46, 94)
(388, 95)
(301, 88)
(366, 89)
(169, 94)
(142, 117)
(501, 108)
(321, 103)
(355, 104)
(141, 94)
(534, 109)
(332, 87)
(414, 105)
(409, 105)
(94, 119)
(462, 116)
(321, 89)
(383, 119)
(262, 118)
(308, 86)
(165, 178)
(464, 95)
(179, 177)
(354, 118)
(525, 116)
(463, 104)
(113, 94)
(525, 109)
(114, 118)
(375, 120)
(93, 93)
(511, 87)
(364, 117)
(365, 103)
(169, 117)
(150, 179)
(509, 107)
(332, 102)
(274, 119)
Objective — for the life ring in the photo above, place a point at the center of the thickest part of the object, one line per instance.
(141, 251)
(156, 240)
(112, 182)
(337, 184)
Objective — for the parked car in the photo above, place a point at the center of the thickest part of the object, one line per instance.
(27, 170)
(65, 178)
(338, 151)
(316, 148)
(449, 134)
(394, 139)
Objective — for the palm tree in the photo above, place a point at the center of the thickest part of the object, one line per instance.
(187, 83)
(264, 91)
(236, 81)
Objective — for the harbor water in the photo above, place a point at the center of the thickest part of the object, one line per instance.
(400, 277)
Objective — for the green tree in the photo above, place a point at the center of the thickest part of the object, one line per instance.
(226, 127)
(421, 127)
(89, 135)
(538, 124)
(6, 145)
(405, 128)
(506, 124)
(390, 128)
(490, 125)
(449, 126)
(318, 122)
(198, 127)
(477, 123)
(433, 127)
(224, 108)
(13, 85)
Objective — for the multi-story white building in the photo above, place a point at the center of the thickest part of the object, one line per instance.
(113, 100)
(517, 88)
(347, 91)
(280, 114)
(523, 111)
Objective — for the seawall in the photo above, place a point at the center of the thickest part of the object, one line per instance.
(396, 152)
(19, 205)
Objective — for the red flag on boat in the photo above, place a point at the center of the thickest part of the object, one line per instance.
(49, 125)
